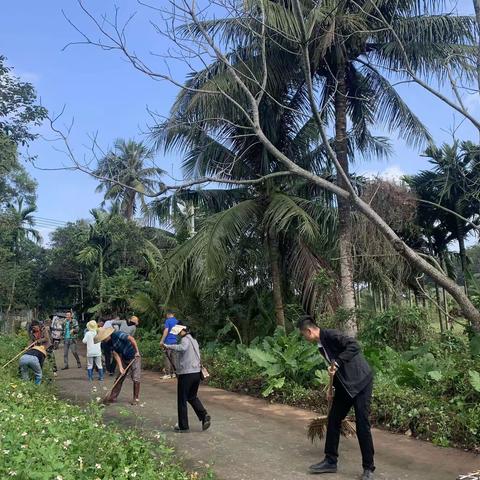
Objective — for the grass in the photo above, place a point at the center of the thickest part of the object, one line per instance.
(45, 438)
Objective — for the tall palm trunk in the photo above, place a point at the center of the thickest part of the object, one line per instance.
(130, 204)
(463, 253)
(476, 6)
(344, 206)
(274, 256)
(101, 281)
(14, 281)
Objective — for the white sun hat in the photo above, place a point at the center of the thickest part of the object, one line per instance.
(177, 329)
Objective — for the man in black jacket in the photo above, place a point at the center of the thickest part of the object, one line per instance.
(353, 382)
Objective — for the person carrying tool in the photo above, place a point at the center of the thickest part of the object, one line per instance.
(128, 359)
(70, 332)
(189, 376)
(56, 330)
(353, 382)
(40, 334)
(32, 360)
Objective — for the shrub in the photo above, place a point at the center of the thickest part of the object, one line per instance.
(153, 356)
(231, 369)
(431, 391)
(285, 357)
(42, 437)
(400, 328)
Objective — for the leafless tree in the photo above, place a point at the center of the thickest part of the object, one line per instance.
(184, 25)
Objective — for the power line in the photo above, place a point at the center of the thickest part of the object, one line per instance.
(49, 220)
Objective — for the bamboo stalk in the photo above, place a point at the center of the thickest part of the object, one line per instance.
(18, 354)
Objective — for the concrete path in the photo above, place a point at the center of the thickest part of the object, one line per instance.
(251, 439)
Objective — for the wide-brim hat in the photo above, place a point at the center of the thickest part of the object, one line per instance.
(177, 329)
(102, 334)
(92, 326)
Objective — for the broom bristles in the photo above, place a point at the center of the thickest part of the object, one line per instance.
(318, 428)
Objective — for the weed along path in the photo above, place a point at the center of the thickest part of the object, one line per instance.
(251, 439)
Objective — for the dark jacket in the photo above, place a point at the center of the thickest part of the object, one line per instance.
(354, 372)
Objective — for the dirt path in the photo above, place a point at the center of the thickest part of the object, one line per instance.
(251, 439)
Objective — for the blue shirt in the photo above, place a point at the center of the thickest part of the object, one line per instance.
(67, 330)
(170, 339)
(122, 345)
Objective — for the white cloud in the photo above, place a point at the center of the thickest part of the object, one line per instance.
(393, 173)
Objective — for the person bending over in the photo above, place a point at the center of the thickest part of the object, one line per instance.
(353, 382)
(125, 352)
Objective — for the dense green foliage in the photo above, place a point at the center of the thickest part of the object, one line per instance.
(399, 327)
(237, 261)
(430, 388)
(45, 438)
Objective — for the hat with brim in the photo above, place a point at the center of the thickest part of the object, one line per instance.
(92, 326)
(177, 329)
(102, 334)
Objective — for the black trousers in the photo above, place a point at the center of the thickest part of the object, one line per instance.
(342, 403)
(187, 390)
(109, 360)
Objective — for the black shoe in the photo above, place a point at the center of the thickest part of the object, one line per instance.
(65, 368)
(79, 365)
(206, 422)
(110, 373)
(367, 475)
(177, 429)
(324, 466)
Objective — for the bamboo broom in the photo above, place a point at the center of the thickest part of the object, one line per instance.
(318, 426)
(107, 396)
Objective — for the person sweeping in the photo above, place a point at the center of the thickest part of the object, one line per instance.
(353, 383)
(188, 370)
(128, 359)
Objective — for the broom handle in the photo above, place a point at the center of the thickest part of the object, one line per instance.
(120, 377)
(330, 388)
(18, 354)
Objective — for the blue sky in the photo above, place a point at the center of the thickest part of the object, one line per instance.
(104, 94)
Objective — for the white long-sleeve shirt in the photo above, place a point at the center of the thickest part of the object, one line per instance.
(93, 349)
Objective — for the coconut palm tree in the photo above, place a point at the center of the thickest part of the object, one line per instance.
(100, 240)
(353, 53)
(451, 188)
(266, 212)
(22, 222)
(126, 176)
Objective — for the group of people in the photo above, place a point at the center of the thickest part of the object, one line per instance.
(352, 376)
(113, 339)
